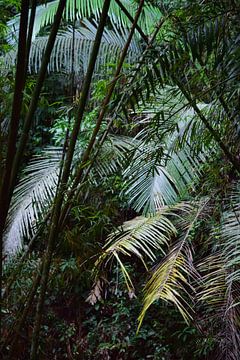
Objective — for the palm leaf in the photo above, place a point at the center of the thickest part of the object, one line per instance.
(111, 157)
(171, 280)
(171, 276)
(62, 55)
(162, 172)
(87, 9)
(143, 237)
(32, 198)
(230, 234)
(218, 295)
(34, 194)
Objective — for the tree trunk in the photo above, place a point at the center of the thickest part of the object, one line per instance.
(66, 171)
(13, 127)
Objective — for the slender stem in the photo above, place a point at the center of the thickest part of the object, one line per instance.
(13, 128)
(66, 172)
(36, 92)
(16, 160)
(192, 102)
(30, 32)
(101, 115)
(122, 7)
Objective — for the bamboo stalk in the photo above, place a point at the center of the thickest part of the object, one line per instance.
(16, 160)
(122, 7)
(216, 136)
(73, 193)
(30, 31)
(66, 172)
(16, 156)
(36, 93)
(107, 99)
(13, 128)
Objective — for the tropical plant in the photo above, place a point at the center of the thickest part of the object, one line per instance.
(168, 127)
(195, 63)
(73, 44)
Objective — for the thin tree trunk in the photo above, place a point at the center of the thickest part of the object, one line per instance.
(66, 172)
(101, 115)
(14, 157)
(224, 147)
(16, 161)
(30, 32)
(125, 11)
(74, 192)
(36, 93)
(13, 127)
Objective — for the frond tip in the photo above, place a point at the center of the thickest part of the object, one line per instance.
(171, 280)
(171, 276)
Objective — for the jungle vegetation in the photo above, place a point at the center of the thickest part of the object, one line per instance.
(120, 179)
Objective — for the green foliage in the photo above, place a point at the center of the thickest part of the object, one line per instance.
(111, 331)
(168, 171)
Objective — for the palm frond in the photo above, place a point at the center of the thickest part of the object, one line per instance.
(32, 198)
(139, 235)
(142, 237)
(213, 285)
(218, 295)
(163, 169)
(230, 234)
(80, 44)
(112, 156)
(87, 9)
(171, 276)
(171, 279)
(220, 285)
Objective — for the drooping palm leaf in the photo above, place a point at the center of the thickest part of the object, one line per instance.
(219, 289)
(172, 279)
(32, 198)
(230, 233)
(144, 237)
(140, 237)
(171, 276)
(218, 296)
(64, 54)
